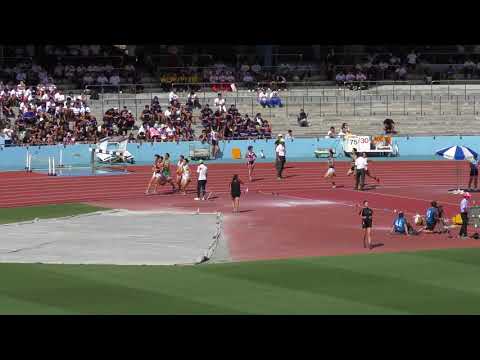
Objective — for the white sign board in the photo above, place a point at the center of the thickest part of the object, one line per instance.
(361, 143)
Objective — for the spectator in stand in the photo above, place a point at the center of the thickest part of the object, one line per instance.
(383, 67)
(102, 80)
(249, 81)
(219, 103)
(192, 101)
(389, 126)
(289, 135)
(468, 68)
(340, 78)
(401, 72)
(350, 79)
(275, 99)
(115, 81)
(412, 60)
(302, 118)
(331, 133)
(263, 98)
(450, 73)
(173, 97)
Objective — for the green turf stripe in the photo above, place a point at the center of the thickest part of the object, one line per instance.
(374, 289)
(74, 294)
(11, 215)
(15, 306)
(238, 294)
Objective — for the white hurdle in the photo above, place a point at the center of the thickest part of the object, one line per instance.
(51, 166)
(60, 162)
(28, 162)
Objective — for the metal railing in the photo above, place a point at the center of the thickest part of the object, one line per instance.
(328, 106)
(304, 88)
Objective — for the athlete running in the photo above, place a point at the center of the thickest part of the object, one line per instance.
(166, 171)
(185, 177)
(330, 174)
(159, 175)
(367, 172)
(354, 156)
(156, 169)
(251, 158)
(179, 171)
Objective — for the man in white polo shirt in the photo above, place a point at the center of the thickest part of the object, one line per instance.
(280, 159)
(464, 206)
(360, 164)
(202, 180)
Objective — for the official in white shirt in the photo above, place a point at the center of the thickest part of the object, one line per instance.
(280, 156)
(360, 164)
(464, 207)
(202, 171)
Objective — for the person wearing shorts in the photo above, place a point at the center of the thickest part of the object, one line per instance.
(156, 169)
(251, 158)
(352, 164)
(367, 171)
(166, 171)
(367, 221)
(179, 171)
(159, 175)
(330, 174)
(473, 174)
(185, 177)
(235, 192)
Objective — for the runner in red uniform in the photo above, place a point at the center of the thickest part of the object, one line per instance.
(251, 158)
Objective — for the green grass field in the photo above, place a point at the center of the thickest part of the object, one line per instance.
(9, 215)
(429, 282)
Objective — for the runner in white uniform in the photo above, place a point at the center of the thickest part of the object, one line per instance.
(185, 176)
(179, 171)
(330, 174)
(156, 168)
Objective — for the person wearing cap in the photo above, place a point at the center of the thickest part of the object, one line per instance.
(280, 156)
(464, 206)
(202, 180)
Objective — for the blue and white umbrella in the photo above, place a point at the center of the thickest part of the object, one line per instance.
(458, 153)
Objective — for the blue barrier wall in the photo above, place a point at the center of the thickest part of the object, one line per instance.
(13, 158)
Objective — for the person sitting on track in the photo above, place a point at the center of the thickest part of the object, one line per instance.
(331, 168)
(431, 217)
(179, 171)
(402, 227)
(185, 177)
(442, 221)
(156, 168)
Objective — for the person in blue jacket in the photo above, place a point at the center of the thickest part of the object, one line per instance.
(402, 227)
(431, 217)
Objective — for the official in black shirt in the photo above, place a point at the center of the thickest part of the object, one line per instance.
(235, 191)
(367, 218)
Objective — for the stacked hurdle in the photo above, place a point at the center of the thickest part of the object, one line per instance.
(51, 166)
(28, 162)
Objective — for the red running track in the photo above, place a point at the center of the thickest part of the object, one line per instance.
(298, 216)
